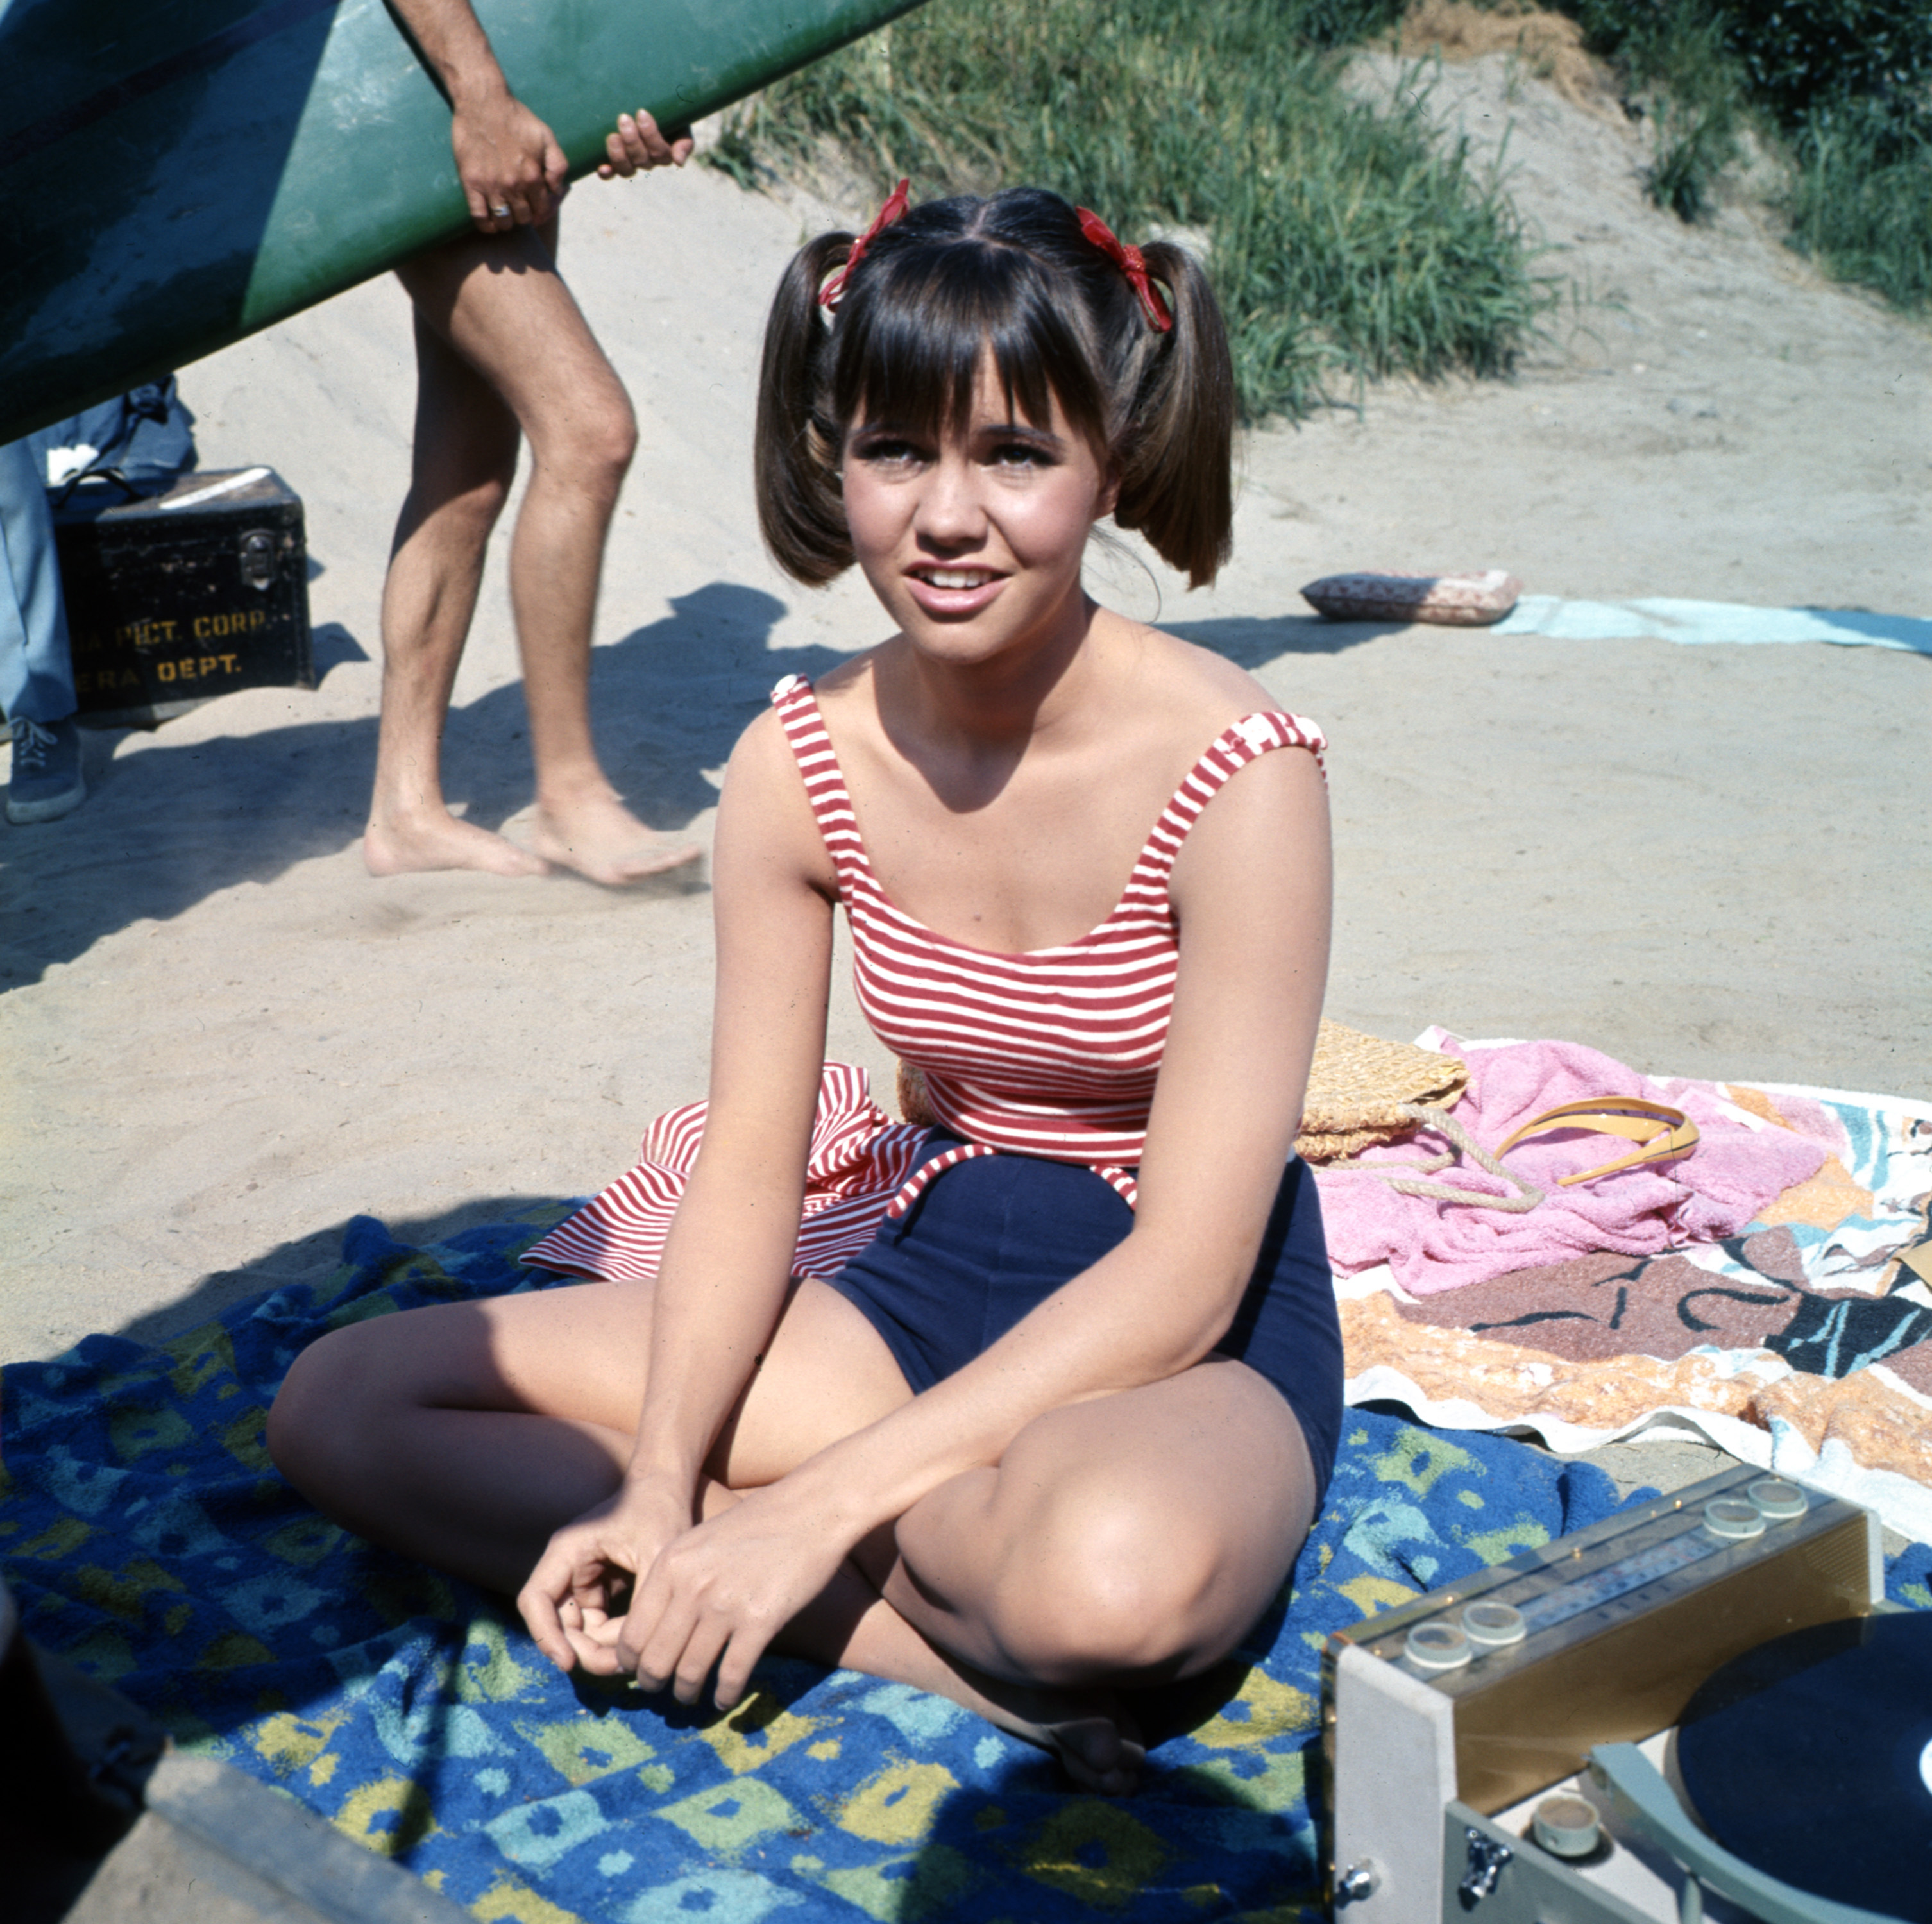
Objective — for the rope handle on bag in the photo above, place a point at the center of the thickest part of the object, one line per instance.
(1662, 1134)
(1526, 1194)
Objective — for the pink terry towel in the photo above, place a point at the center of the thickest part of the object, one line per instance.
(1731, 1174)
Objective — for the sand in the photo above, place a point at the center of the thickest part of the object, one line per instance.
(223, 1039)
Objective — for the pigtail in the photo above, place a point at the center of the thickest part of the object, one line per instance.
(795, 446)
(1176, 456)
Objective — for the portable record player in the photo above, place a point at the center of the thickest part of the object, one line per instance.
(1639, 1723)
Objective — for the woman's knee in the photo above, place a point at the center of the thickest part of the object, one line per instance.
(323, 1417)
(1096, 1584)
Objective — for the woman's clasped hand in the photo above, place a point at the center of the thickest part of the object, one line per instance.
(711, 1597)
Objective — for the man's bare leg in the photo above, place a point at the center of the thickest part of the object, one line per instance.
(509, 347)
(465, 456)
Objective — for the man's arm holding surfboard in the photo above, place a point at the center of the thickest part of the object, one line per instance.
(513, 171)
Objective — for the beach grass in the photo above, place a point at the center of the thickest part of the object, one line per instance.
(1839, 91)
(1345, 243)
(1860, 203)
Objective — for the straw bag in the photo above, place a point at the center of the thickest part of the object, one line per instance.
(915, 1105)
(1363, 1091)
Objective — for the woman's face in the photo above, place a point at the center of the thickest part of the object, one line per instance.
(974, 543)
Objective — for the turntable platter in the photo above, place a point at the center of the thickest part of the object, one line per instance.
(1810, 1757)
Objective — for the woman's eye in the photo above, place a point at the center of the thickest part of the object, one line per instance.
(1020, 454)
(887, 452)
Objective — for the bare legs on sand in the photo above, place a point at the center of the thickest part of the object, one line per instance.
(503, 355)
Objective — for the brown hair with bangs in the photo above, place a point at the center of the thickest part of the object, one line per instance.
(1014, 275)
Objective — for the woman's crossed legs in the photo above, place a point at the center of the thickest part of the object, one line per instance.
(1127, 1539)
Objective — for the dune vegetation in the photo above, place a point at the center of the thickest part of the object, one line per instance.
(1839, 92)
(1351, 242)
(1345, 243)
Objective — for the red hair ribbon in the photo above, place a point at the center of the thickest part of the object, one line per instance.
(1133, 263)
(897, 201)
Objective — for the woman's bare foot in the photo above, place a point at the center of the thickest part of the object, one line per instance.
(394, 844)
(1097, 1743)
(601, 839)
(1090, 1732)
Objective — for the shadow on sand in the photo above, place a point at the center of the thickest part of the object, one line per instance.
(310, 1259)
(183, 819)
(1251, 641)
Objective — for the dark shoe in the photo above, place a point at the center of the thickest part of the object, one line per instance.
(47, 781)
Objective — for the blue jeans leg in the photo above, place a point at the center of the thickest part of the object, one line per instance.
(36, 667)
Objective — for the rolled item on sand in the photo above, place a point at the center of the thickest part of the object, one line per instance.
(1469, 600)
(175, 178)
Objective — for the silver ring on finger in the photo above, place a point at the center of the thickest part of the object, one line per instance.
(499, 213)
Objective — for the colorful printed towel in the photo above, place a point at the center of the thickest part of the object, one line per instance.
(1803, 1341)
(146, 1536)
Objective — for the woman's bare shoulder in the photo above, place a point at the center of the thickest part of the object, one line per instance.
(1200, 692)
(836, 690)
(852, 680)
(761, 744)
(765, 808)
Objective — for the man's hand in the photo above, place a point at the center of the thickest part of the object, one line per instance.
(513, 172)
(638, 146)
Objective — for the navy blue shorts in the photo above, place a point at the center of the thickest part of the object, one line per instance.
(992, 1237)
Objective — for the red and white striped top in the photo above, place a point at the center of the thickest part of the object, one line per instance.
(1051, 1053)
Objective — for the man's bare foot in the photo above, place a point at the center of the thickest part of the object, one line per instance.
(601, 839)
(395, 846)
(1097, 1743)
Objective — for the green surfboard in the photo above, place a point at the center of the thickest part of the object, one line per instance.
(176, 174)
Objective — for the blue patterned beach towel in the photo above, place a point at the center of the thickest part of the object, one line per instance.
(147, 1537)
